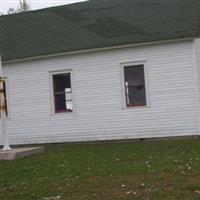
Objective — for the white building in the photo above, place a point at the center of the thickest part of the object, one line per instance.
(102, 71)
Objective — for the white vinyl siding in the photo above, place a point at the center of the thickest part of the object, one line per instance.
(98, 96)
(196, 50)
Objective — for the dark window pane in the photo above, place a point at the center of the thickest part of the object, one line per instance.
(60, 104)
(137, 96)
(61, 82)
(135, 86)
(134, 75)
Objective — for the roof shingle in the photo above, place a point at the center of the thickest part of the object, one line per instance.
(96, 24)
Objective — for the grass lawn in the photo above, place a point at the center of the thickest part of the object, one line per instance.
(161, 170)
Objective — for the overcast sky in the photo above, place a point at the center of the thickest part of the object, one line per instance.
(35, 4)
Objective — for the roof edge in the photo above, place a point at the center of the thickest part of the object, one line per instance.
(97, 49)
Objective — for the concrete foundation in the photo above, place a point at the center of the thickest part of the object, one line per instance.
(18, 153)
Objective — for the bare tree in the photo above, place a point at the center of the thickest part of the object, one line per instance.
(24, 6)
(11, 11)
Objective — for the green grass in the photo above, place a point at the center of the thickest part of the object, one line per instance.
(166, 170)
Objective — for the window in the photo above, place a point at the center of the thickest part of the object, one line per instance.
(5, 97)
(62, 92)
(134, 83)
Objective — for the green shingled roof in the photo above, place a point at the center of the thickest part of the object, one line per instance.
(96, 24)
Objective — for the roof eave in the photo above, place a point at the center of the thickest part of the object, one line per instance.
(98, 49)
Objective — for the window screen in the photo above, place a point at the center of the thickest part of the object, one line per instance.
(135, 91)
(62, 92)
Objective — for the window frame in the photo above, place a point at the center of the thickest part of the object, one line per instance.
(52, 99)
(129, 64)
(7, 99)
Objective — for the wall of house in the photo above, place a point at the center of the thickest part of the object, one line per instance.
(97, 82)
(196, 50)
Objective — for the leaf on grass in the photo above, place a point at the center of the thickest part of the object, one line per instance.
(198, 192)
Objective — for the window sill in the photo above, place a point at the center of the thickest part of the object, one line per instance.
(62, 113)
(136, 107)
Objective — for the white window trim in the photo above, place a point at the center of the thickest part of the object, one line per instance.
(52, 101)
(134, 63)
